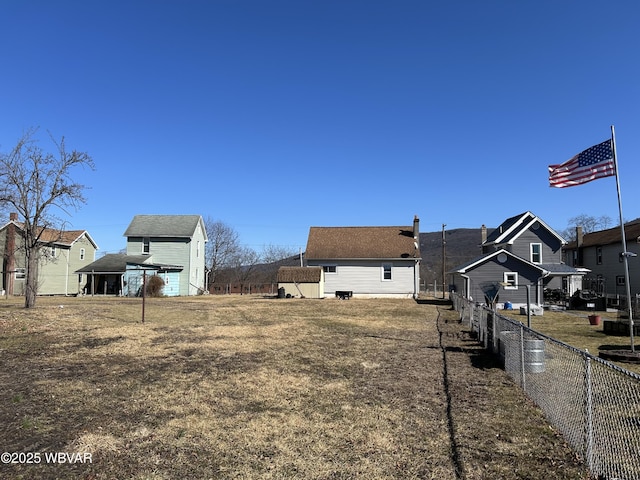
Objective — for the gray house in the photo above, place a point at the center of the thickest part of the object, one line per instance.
(367, 261)
(600, 252)
(522, 254)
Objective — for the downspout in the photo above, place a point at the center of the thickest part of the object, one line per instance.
(416, 279)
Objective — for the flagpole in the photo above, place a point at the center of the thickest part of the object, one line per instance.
(625, 254)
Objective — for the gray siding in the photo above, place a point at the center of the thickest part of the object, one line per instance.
(551, 246)
(491, 273)
(611, 268)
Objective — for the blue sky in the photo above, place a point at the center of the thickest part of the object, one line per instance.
(274, 116)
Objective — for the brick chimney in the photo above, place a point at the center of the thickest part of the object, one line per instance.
(579, 237)
(577, 255)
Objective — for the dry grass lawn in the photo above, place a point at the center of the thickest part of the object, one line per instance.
(253, 388)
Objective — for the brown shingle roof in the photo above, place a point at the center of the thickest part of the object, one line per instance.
(609, 236)
(361, 242)
(50, 235)
(299, 274)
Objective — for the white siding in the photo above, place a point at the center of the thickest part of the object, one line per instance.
(365, 278)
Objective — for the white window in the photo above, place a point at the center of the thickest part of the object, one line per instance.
(82, 253)
(620, 280)
(21, 272)
(386, 272)
(536, 253)
(330, 269)
(79, 278)
(145, 245)
(510, 280)
(54, 252)
(599, 255)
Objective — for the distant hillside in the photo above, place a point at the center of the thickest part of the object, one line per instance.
(462, 245)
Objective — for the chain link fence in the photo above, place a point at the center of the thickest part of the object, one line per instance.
(593, 403)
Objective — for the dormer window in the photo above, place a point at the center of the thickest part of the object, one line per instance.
(536, 253)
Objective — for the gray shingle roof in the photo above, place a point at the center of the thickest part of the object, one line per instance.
(117, 263)
(180, 226)
(113, 263)
(509, 230)
(561, 268)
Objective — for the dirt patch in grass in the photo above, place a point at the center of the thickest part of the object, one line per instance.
(247, 387)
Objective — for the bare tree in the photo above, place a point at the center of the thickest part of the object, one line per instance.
(244, 263)
(35, 184)
(222, 246)
(589, 224)
(273, 253)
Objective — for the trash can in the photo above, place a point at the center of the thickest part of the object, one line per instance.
(281, 292)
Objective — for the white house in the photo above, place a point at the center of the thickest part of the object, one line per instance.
(367, 261)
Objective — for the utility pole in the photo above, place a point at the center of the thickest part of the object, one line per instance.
(444, 260)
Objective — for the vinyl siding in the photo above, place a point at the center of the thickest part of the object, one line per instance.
(492, 273)
(57, 275)
(611, 267)
(364, 278)
(551, 246)
(176, 251)
(196, 261)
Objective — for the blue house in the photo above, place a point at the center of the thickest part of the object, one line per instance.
(170, 246)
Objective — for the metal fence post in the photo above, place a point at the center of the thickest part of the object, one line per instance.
(588, 413)
(522, 359)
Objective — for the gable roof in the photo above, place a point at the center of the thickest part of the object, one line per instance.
(299, 274)
(361, 243)
(610, 236)
(546, 269)
(56, 237)
(509, 230)
(175, 226)
(485, 258)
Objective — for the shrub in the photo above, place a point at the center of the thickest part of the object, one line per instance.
(155, 286)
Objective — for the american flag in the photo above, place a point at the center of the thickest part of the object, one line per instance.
(595, 162)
